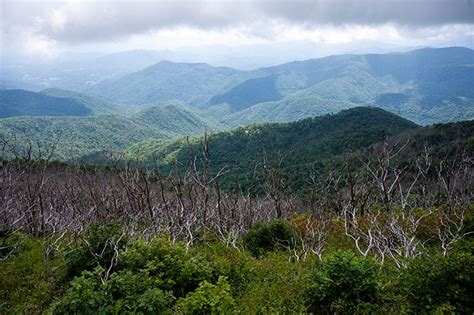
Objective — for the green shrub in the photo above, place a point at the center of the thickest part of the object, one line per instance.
(149, 278)
(236, 265)
(276, 287)
(208, 298)
(179, 271)
(96, 248)
(267, 236)
(439, 283)
(84, 296)
(26, 284)
(344, 283)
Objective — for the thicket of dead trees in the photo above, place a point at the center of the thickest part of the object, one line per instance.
(383, 203)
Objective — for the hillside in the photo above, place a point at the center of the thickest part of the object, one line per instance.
(26, 103)
(176, 119)
(79, 136)
(305, 142)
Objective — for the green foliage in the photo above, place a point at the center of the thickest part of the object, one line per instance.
(208, 298)
(235, 265)
(27, 284)
(437, 284)
(96, 248)
(160, 277)
(177, 270)
(344, 283)
(125, 291)
(276, 287)
(267, 236)
(149, 278)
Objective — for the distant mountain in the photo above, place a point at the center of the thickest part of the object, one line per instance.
(26, 103)
(78, 136)
(425, 85)
(98, 106)
(166, 81)
(289, 109)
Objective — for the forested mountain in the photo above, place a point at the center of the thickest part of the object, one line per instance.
(426, 86)
(26, 103)
(304, 144)
(99, 106)
(176, 119)
(74, 137)
(417, 85)
(192, 83)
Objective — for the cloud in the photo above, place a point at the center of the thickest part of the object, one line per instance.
(54, 24)
(85, 21)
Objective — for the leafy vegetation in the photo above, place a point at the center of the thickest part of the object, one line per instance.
(157, 276)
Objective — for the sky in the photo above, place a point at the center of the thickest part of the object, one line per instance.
(47, 29)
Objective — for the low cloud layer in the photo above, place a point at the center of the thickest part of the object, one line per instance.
(52, 25)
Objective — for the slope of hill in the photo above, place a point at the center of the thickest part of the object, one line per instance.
(26, 103)
(177, 119)
(78, 136)
(309, 147)
(286, 110)
(303, 142)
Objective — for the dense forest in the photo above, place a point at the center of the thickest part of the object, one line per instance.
(385, 224)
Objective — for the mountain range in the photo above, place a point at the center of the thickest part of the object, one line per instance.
(426, 86)
(168, 100)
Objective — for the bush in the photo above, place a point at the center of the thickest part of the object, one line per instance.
(439, 284)
(27, 285)
(276, 287)
(179, 271)
(149, 278)
(267, 236)
(95, 249)
(236, 265)
(208, 299)
(344, 283)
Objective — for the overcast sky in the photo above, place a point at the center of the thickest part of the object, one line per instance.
(48, 28)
